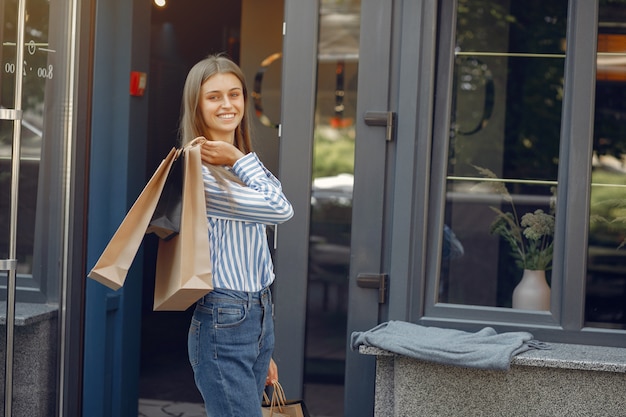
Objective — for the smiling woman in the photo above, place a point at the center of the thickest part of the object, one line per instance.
(231, 336)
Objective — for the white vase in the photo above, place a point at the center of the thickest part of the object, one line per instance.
(532, 292)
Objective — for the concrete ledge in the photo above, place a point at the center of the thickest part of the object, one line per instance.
(34, 359)
(569, 380)
(28, 313)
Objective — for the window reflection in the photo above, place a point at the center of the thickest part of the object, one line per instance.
(505, 118)
(38, 69)
(38, 244)
(331, 195)
(606, 266)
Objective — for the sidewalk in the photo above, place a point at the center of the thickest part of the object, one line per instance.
(157, 408)
(321, 401)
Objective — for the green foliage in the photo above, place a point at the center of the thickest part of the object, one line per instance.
(524, 125)
(608, 209)
(333, 156)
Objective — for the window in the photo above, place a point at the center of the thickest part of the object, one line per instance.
(509, 137)
(605, 302)
(38, 242)
(505, 125)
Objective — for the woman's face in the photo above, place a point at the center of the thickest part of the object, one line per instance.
(222, 106)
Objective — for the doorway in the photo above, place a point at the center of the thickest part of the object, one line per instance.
(251, 34)
(181, 35)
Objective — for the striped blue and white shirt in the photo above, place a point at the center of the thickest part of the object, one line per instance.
(237, 219)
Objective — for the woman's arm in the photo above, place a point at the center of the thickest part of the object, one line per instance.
(260, 200)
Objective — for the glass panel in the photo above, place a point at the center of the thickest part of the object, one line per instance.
(38, 70)
(331, 202)
(8, 36)
(8, 18)
(606, 266)
(43, 183)
(503, 148)
(6, 139)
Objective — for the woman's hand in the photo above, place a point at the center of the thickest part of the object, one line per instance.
(272, 373)
(216, 152)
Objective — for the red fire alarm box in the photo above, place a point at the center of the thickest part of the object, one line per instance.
(138, 82)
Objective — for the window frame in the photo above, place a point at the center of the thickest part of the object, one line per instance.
(565, 321)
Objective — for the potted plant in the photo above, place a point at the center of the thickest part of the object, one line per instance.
(530, 238)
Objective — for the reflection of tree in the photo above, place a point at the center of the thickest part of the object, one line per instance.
(534, 85)
(491, 13)
(37, 24)
(610, 117)
(608, 210)
(610, 125)
(334, 155)
(532, 113)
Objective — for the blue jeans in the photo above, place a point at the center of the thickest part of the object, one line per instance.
(231, 340)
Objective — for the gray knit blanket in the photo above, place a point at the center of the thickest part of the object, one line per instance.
(484, 349)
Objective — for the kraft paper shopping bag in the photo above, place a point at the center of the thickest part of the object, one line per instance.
(112, 266)
(183, 268)
(279, 406)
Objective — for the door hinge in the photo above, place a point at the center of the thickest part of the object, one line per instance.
(382, 118)
(375, 281)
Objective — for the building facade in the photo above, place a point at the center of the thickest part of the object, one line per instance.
(433, 150)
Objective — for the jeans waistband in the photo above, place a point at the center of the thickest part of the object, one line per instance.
(240, 297)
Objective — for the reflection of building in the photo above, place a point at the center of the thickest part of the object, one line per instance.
(329, 248)
(504, 85)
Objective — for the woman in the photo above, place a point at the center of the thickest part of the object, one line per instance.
(231, 337)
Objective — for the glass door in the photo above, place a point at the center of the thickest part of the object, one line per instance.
(331, 205)
(336, 170)
(318, 144)
(37, 76)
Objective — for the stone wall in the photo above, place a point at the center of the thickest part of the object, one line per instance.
(568, 381)
(35, 356)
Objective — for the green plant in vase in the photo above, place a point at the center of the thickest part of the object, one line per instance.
(530, 238)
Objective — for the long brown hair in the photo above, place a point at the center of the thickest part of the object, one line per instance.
(192, 124)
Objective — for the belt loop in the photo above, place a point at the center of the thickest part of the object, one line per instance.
(249, 299)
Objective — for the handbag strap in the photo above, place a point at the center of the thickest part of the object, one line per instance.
(274, 404)
(197, 141)
(279, 396)
(278, 400)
